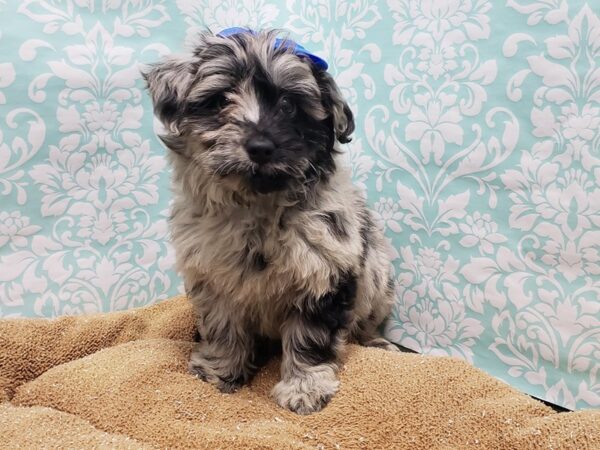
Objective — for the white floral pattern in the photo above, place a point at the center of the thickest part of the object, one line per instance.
(502, 221)
(99, 240)
(477, 145)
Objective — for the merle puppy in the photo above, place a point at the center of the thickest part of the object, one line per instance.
(271, 237)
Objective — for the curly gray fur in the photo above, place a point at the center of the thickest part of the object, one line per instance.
(282, 248)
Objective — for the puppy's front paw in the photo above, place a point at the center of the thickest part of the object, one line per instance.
(207, 371)
(306, 393)
(199, 367)
(230, 385)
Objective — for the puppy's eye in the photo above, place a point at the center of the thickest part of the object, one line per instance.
(218, 101)
(210, 104)
(287, 106)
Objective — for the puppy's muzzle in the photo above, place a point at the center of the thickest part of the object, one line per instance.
(260, 149)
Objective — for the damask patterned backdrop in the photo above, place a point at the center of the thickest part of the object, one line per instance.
(478, 145)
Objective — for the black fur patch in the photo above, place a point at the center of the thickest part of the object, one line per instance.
(266, 90)
(259, 262)
(174, 143)
(168, 108)
(365, 235)
(282, 222)
(329, 97)
(332, 308)
(345, 137)
(391, 285)
(252, 261)
(195, 289)
(264, 349)
(336, 223)
(329, 315)
(196, 337)
(265, 184)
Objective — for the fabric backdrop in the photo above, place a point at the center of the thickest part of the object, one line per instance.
(477, 143)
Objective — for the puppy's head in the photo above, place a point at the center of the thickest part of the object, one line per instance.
(246, 111)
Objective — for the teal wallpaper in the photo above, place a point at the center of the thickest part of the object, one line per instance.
(477, 144)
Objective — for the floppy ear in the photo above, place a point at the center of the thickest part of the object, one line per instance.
(168, 82)
(343, 119)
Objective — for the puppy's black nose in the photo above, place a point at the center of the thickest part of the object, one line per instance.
(260, 149)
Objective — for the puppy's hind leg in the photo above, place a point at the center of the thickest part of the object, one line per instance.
(369, 336)
(380, 301)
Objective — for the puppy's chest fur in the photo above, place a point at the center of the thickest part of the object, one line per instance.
(265, 258)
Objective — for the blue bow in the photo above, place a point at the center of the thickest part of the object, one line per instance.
(296, 48)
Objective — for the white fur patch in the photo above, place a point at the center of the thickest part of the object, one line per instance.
(308, 392)
(250, 106)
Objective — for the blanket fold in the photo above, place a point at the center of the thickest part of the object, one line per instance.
(119, 380)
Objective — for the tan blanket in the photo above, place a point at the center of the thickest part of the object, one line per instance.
(119, 381)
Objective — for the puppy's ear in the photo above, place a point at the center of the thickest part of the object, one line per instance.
(168, 82)
(343, 119)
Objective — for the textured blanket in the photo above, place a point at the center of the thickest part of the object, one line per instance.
(119, 380)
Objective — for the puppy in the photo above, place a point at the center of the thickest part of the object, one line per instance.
(271, 238)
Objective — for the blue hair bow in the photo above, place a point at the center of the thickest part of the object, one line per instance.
(296, 48)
